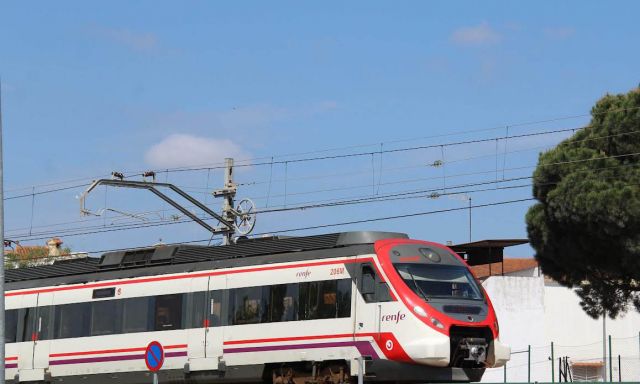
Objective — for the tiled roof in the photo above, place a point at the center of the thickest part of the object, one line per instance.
(510, 266)
(587, 364)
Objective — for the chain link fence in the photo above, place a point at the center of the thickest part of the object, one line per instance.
(616, 360)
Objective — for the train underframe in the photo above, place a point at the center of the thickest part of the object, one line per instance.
(326, 372)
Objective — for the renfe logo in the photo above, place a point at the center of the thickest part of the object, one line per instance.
(303, 274)
(395, 317)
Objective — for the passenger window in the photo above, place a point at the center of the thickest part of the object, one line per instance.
(344, 298)
(247, 305)
(43, 323)
(327, 299)
(319, 300)
(72, 320)
(135, 314)
(10, 325)
(26, 317)
(106, 317)
(372, 288)
(283, 302)
(168, 312)
(215, 309)
(198, 305)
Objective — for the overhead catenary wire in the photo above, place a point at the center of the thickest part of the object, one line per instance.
(88, 179)
(329, 225)
(328, 203)
(364, 199)
(380, 152)
(155, 224)
(457, 133)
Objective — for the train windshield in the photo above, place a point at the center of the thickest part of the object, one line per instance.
(440, 281)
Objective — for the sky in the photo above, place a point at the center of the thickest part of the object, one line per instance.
(91, 88)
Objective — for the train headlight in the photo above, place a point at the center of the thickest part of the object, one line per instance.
(437, 323)
(495, 323)
(420, 311)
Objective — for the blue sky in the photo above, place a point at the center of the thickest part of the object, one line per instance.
(91, 88)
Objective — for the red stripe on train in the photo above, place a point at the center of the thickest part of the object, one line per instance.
(190, 276)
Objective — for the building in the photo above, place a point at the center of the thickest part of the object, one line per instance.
(534, 311)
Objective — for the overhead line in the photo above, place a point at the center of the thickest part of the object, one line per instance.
(394, 217)
(504, 126)
(329, 203)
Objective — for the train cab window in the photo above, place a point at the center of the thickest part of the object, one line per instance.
(283, 302)
(372, 288)
(72, 320)
(106, 317)
(168, 312)
(247, 305)
(215, 308)
(10, 325)
(136, 314)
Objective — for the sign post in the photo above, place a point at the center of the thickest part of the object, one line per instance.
(154, 358)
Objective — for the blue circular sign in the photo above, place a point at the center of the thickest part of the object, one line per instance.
(154, 356)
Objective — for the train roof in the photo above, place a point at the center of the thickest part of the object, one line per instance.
(183, 258)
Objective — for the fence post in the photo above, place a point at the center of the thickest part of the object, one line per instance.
(553, 368)
(610, 362)
(529, 364)
(619, 370)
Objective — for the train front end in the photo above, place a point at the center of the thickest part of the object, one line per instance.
(450, 321)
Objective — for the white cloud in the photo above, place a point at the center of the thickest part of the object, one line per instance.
(182, 150)
(481, 34)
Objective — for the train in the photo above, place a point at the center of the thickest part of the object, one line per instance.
(373, 307)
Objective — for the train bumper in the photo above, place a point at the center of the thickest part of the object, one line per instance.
(498, 354)
(433, 351)
(387, 370)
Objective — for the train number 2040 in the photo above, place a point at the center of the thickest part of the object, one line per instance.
(337, 271)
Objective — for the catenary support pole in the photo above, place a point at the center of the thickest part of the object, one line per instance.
(529, 364)
(619, 369)
(505, 372)
(228, 196)
(360, 370)
(553, 368)
(1, 245)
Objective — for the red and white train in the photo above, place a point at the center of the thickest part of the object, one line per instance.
(280, 310)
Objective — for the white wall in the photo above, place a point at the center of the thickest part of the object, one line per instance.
(532, 313)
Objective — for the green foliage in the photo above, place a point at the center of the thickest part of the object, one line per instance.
(585, 227)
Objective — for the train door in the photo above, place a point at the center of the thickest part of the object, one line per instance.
(43, 330)
(373, 293)
(196, 318)
(26, 318)
(215, 330)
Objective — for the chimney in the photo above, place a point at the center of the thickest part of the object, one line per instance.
(54, 246)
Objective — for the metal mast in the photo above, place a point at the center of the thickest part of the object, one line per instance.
(1, 245)
(228, 193)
